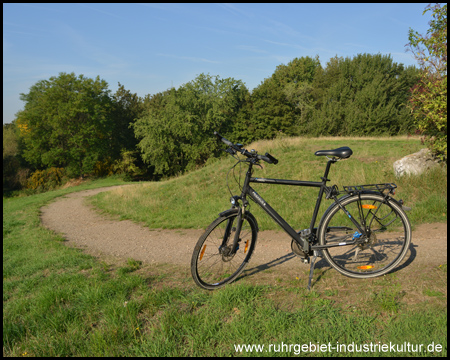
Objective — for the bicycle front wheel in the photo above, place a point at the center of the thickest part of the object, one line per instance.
(213, 265)
(387, 239)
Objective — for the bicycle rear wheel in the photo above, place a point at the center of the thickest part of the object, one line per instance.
(212, 264)
(387, 241)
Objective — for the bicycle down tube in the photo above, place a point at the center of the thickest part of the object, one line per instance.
(277, 218)
(321, 185)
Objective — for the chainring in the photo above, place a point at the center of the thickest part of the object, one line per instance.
(297, 250)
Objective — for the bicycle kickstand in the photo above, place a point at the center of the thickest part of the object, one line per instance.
(316, 253)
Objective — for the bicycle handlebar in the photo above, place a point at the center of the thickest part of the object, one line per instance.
(220, 137)
(267, 157)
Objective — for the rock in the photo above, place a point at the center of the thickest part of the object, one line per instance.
(415, 164)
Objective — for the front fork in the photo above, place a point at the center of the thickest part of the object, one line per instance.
(240, 220)
(237, 222)
(240, 217)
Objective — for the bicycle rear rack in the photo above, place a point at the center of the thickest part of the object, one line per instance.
(381, 188)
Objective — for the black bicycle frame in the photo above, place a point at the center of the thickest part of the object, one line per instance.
(248, 190)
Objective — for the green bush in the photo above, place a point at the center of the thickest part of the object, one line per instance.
(126, 165)
(429, 105)
(43, 180)
(103, 168)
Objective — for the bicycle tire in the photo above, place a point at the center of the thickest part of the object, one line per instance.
(385, 247)
(211, 268)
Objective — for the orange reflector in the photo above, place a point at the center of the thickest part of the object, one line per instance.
(203, 251)
(246, 247)
(365, 267)
(368, 206)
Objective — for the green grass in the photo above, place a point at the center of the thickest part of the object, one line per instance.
(58, 301)
(194, 200)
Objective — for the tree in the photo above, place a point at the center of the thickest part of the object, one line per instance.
(271, 112)
(127, 108)
(10, 140)
(428, 99)
(283, 102)
(66, 123)
(176, 129)
(11, 157)
(363, 95)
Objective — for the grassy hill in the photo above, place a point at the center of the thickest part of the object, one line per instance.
(194, 200)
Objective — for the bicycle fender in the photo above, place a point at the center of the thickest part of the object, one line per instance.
(400, 203)
(235, 211)
(228, 212)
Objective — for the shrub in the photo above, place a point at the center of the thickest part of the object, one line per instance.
(103, 168)
(428, 99)
(43, 180)
(126, 165)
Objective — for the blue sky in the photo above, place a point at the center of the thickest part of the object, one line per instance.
(149, 48)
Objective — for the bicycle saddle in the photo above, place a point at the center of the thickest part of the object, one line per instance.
(342, 152)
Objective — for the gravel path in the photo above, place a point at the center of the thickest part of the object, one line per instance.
(83, 227)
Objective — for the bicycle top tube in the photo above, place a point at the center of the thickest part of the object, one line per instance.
(286, 182)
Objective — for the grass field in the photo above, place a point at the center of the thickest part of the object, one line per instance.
(58, 301)
(194, 200)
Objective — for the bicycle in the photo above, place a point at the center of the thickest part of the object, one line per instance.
(363, 234)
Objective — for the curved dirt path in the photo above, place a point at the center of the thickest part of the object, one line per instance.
(83, 227)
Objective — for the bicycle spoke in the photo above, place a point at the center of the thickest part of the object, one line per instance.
(382, 246)
(218, 265)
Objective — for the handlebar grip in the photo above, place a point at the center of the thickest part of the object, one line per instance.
(220, 137)
(272, 159)
(265, 158)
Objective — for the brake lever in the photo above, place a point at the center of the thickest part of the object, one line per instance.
(230, 151)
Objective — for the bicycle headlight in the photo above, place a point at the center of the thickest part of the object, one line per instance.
(234, 200)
